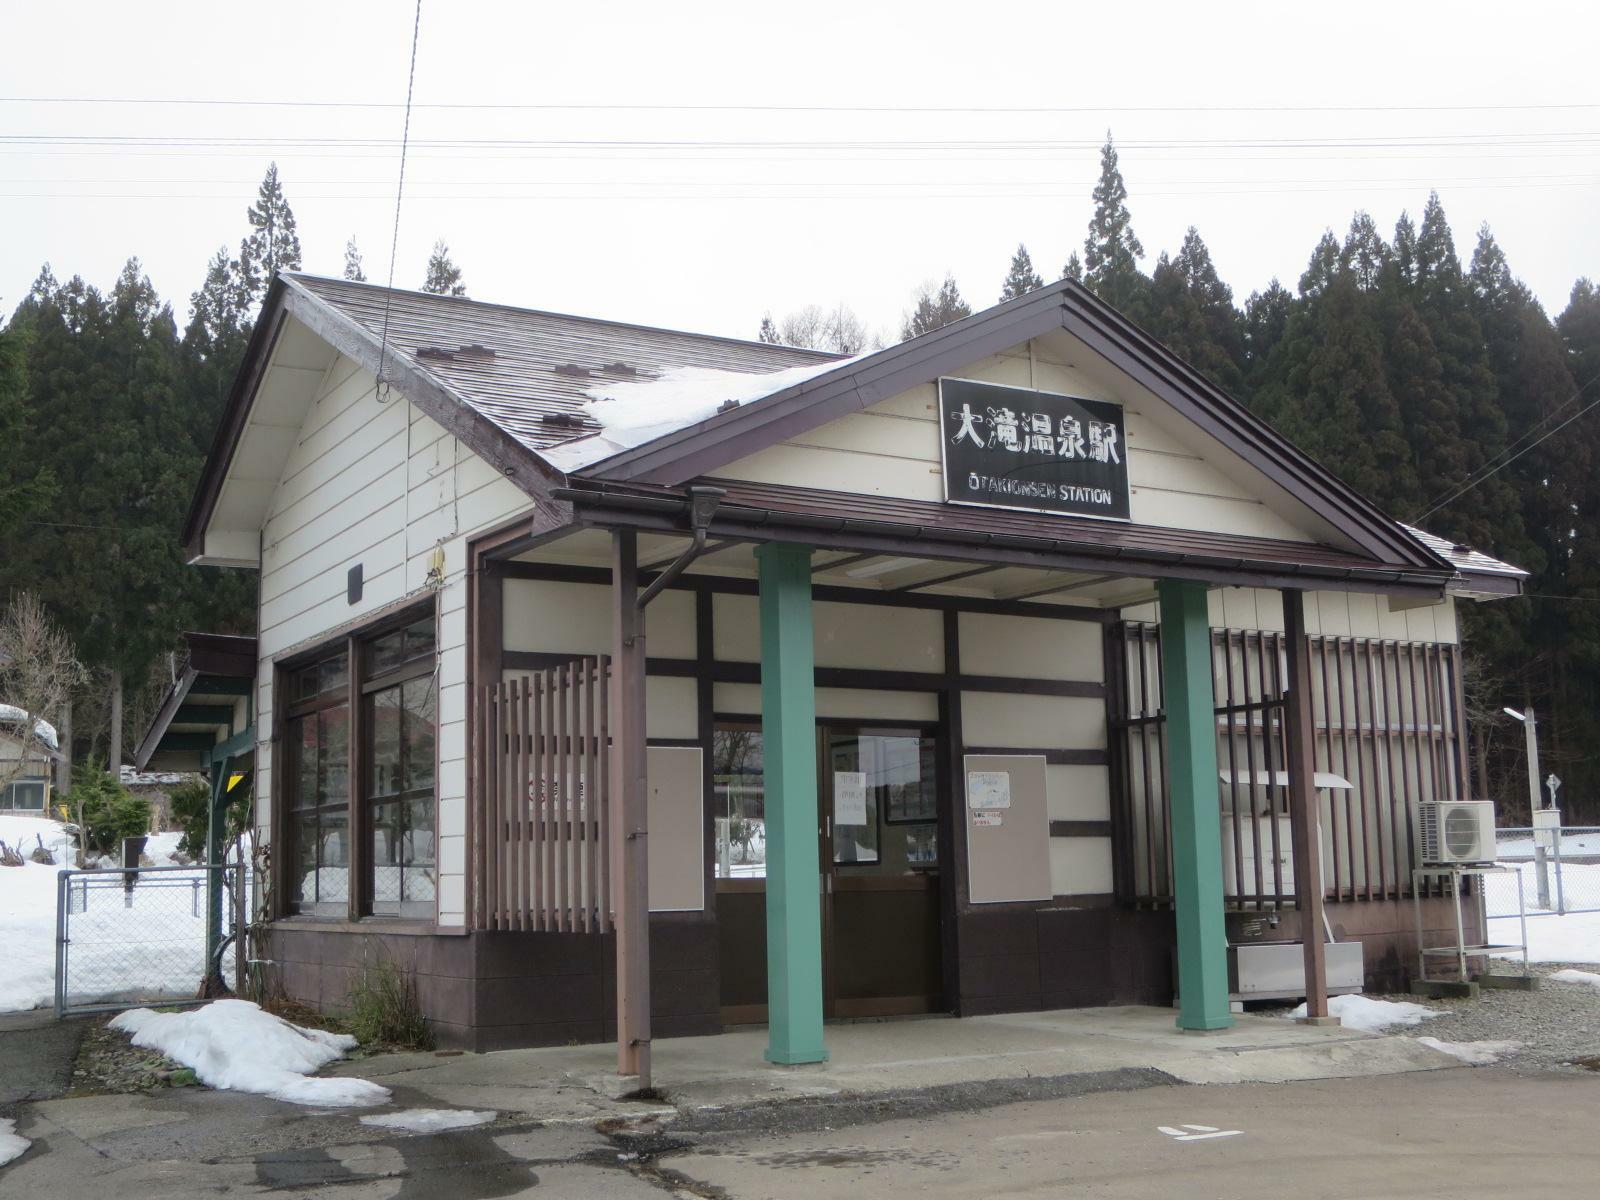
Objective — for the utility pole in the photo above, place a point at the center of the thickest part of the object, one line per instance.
(1541, 868)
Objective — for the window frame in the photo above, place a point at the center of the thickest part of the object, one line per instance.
(355, 643)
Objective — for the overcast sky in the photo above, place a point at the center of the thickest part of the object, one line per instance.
(762, 157)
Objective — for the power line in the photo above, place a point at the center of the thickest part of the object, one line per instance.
(394, 244)
(1487, 474)
(1007, 110)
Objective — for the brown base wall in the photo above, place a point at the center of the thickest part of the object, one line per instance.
(1021, 958)
(494, 991)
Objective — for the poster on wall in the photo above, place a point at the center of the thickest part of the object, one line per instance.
(850, 798)
(987, 790)
(1007, 447)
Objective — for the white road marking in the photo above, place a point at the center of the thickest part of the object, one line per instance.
(1197, 1133)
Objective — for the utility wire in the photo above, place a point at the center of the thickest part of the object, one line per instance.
(814, 108)
(1487, 474)
(399, 194)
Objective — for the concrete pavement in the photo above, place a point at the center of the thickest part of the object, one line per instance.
(565, 1126)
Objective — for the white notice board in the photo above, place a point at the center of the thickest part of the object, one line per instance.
(676, 846)
(1007, 819)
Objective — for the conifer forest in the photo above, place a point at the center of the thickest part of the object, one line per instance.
(1412, 363)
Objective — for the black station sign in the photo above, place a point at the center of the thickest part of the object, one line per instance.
(1009, 447)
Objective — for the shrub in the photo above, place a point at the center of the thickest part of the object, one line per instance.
(107, 811)
(384, 1009)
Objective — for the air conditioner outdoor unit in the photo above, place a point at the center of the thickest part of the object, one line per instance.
(1456, 831)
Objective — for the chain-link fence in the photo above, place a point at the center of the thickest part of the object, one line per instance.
(1560, 871)
(138, 936)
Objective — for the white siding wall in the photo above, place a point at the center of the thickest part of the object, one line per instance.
(893, 449)
(1344, 614)
(381, 485)
(1029, 647)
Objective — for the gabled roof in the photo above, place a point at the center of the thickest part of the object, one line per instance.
(197, 710)
(513, 384)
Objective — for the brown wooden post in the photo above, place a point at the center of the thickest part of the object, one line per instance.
(628, 815)
(1305, 819)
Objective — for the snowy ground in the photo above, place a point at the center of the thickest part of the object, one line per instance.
(1580, 882)
(1574, 938)
(145, 943)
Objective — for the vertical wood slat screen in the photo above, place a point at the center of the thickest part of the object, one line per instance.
(539, 813)
(1387, 717)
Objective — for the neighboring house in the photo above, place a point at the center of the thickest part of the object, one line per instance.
(26, 762)
(974, 670)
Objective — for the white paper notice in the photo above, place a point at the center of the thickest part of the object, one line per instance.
(987, 819)
(988, 789)
(850, 798)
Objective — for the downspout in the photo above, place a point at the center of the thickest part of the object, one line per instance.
(703, 503)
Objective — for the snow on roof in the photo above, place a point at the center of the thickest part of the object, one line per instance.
(10, 714)
(1463, 558)
(632, 413)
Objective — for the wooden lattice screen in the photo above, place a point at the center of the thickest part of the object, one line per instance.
(1387, 719)
(539, 812)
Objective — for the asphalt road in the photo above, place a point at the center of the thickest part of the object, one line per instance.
(1495, 1132)
(1486, 1131)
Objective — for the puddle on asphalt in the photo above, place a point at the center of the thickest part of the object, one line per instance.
(462, 1164)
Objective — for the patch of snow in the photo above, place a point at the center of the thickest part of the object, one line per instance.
(233, 1045)
(1574, 938)
(1474, 1054)
(133, 777)
(632, 413)
(10, 714)
(1374, 1016)
(12, 1143)
(430, 1120)
(1580, 879)
(1584, 978)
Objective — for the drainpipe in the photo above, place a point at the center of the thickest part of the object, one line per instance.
(703, 503)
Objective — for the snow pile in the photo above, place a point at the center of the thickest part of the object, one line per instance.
(12, 1143)
(1374, 1016)
(235, 1046)
(1586, 978)
(1574, 938)
(10, 714)
(430, 1120)
(634, 412)
(1474, 1054)
(28, 911)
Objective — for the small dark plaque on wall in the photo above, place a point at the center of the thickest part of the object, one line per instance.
(1008, 447)
(352, 585)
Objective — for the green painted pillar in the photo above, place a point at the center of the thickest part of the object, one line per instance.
(789, 751)
(1196, 810)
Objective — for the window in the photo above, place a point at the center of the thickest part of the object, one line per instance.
(740, 798)
(318, 791)
(400, 711)
(24, 795)
(364, 822)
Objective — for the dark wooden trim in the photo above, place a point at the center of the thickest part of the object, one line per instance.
(1123, 875)
(692, 743)
(1085, 900)
(951, 795)
(277, 814)
(948, 543)
(829, 593)
(1012, 686)
(964, 573)
(1081, 829)
(1055, 758)
(258, 353)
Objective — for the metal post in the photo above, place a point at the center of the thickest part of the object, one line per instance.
(1305, 818)
(214, 881)
(1530, 731)
(1561, 891)
(63, 899)
(789, 757)
(629, 818)
(1190, 703)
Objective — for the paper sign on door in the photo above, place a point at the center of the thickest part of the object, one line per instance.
(988, 789)
(987, 819)
(850, 798)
